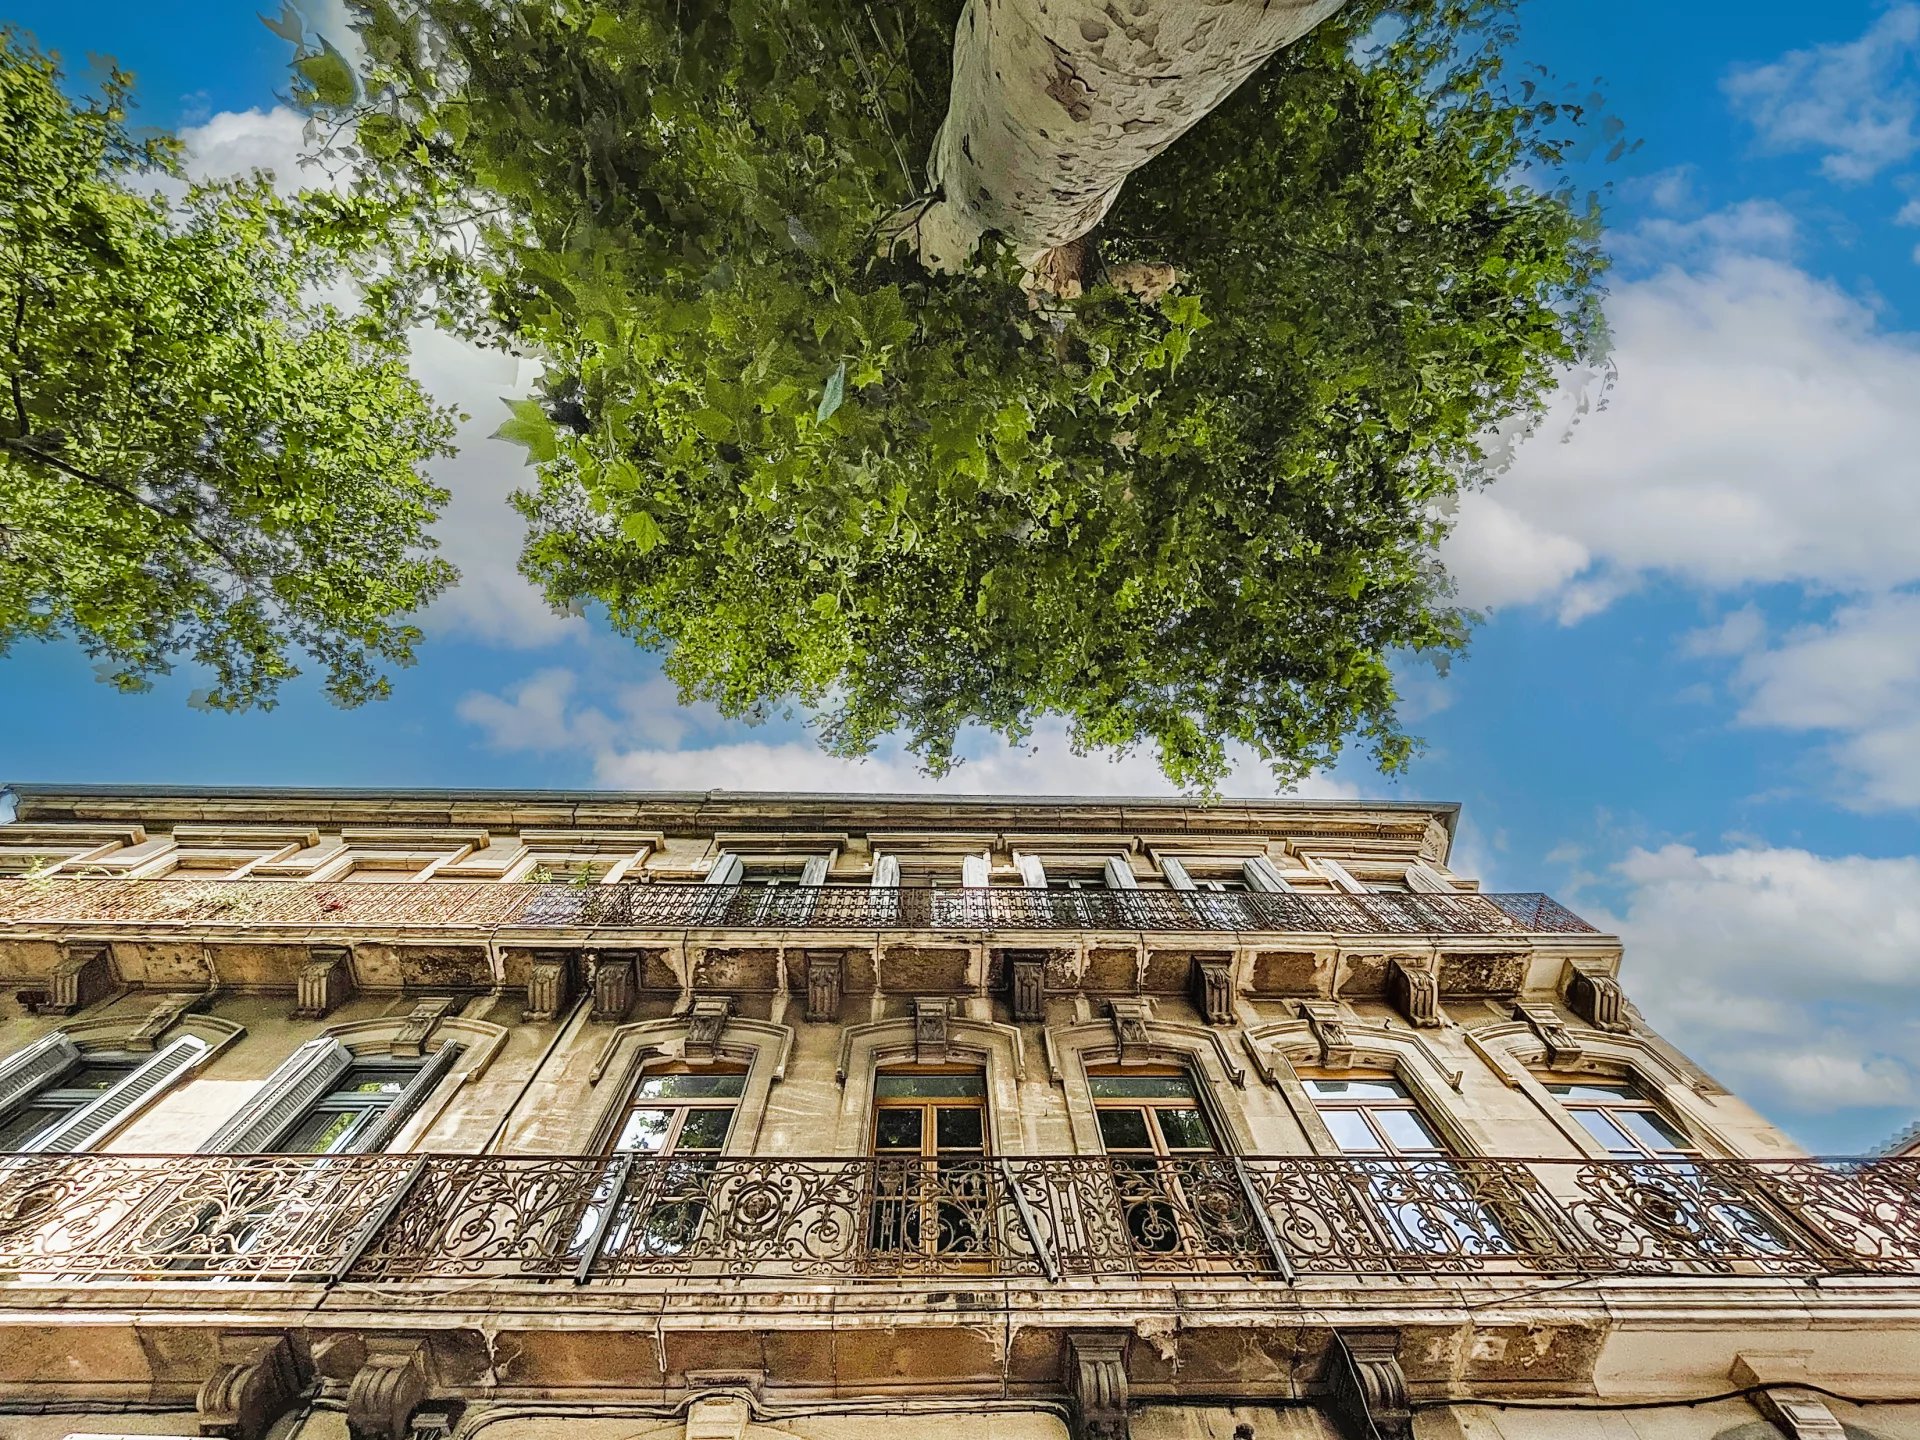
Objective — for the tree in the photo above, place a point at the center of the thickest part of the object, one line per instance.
(1167, 458)
(199, 457)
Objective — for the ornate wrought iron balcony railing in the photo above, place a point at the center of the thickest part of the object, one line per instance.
(391, 1220)
(56, 901)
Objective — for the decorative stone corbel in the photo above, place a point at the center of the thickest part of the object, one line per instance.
(706, 1023)
(1097, 1383)
(1213, 987)
(549, 984)
(1597, 998)
(930, 1031)
(410, 1041)
(1798, 1413)
(387, 1389)
(325, 983)
(1366, 1388)
(718, 1417)
(1562, 1048)
(615, 979)
(255, 1383)
(167, 1013)
(83, 975)
(1327, 1019)
(1130, 1035)
(1027, 984)
(1414, 990)
(826, 978)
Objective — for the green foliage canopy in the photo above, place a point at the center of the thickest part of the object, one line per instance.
(810, 471)
(199, 458)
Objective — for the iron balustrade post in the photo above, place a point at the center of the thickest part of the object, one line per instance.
(1030, 1222)
(1281, 1260)
(371, 1227)
(603, 1223)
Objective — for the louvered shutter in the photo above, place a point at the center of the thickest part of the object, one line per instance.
(32, 1068)
(1427, 881)
(1033, 874)
(1337, 873)
(408, 1100)
(94, 1122)
(974, 870)
(1260, 874)
(1176, 874)
(815, 870)
(726, 869)
(302, 1078)
(1120, 874)
(886, 872)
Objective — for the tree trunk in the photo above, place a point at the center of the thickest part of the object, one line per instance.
(1056, 102)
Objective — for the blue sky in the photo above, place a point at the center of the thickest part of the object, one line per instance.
(1694, 712)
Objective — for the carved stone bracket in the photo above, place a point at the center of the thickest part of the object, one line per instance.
(1562, 1048)
(255, 1383)
(386, 1390)
(718, 1418)
(410, 1041)
(930, 1029)
(706, 1023)
(1414, 990)
(1597, 999)
(1130, 1034)
(1027, 984)
(83, 975)
(326, 982)
(549, 984)
(1213, 988)
(616, 978)
(1327, 1020)
(1366, 1388)
(1097, 1383)
(1800, 1414)
(826, 978)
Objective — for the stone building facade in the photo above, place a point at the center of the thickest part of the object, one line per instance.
(617, 1115)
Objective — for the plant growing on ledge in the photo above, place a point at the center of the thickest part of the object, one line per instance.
(949, 364)
(198, 458)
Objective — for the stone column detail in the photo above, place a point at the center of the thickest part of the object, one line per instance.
(826, 978)
(549, 984)
(615, 980)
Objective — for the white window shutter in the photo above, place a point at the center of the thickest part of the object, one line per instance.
(1033, 874)
(408, 1100)
(32, 1068)
(94, 1122)
(886, 871)
(1337, 873)
(726, 869)
(814, 872)
(1120, 874)
(1427, 881)
(974, 870)
(1176, 873)
(1260, 874)
(303, 1077)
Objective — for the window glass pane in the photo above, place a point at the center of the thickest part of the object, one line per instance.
(705, 1128)
(1407, 1130)
(911, 1086)
(324, 1132)
(1606, 1132)
(27, 1122)
(1140, 1087)
(684, 1087)
(645, 1131)
(1650, 1130)
(896, 1130)
(1580, 1090)
(1350, 1132)
(1356, 1089)
(1124, 1129)
(1183, 1129)
(97, 1076)
(362, 1082)
(956, 1129)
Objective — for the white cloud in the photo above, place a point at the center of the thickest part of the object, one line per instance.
(237, 142)
(1854, 103)
(1733, 634)
(1786, 972)
(636, 738)
(1762, 430)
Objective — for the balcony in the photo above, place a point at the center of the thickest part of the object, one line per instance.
(427, 1220)
(221, 904)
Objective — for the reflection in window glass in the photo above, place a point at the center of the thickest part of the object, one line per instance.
(1373, 1116)
(1625, 1122)
(681, 1111)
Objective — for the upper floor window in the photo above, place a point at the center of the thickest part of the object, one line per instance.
(681, 1111)
(1149, 1113)
(339, 1120)
(930, 1112)
(1626, 1123)
(1373, 1115)
(51, 1106)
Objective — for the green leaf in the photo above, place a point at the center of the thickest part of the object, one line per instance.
(836, 392)
(531, 428)
(329, 77)
(639, 527)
